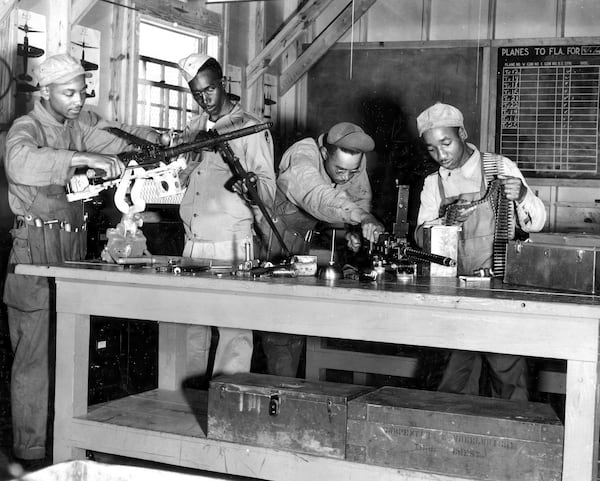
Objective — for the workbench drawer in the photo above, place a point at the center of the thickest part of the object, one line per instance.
(453, 434)
(281, 412)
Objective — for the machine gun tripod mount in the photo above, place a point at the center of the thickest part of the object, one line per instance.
(149, 160)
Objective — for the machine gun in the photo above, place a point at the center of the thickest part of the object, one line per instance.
(392, 248)
(148, 161)
(392, 253)
(147, 155)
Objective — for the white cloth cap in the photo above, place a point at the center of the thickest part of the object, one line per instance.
(190, 65)
(439, 115)
(59, 69)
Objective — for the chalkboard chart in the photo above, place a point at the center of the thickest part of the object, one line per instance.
(384, 88)
(383, 91)
(548, 109)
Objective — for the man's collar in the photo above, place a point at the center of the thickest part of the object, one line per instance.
(468, 170)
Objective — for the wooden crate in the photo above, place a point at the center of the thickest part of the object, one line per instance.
(280, 412)
(453, 434)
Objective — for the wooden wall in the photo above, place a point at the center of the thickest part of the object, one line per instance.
(571, 203)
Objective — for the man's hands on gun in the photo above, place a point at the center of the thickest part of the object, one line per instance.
(110, 165)
(370, 230)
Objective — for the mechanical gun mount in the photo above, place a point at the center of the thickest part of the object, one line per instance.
(152, 161)
(149, 161)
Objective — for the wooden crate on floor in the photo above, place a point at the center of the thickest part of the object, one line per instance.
(457, 435)
(281, 412)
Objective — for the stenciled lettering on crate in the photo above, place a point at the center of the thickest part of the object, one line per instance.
(453, 434)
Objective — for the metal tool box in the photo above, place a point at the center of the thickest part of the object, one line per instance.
(453, 434)
(555, 261)
(281, 412)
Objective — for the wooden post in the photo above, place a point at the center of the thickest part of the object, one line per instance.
(255, 95)
(8, 50)
(58, 25)
(6, 6)
(123, 68)
(71, 392)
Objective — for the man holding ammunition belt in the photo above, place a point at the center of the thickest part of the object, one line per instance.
(43, 150)
(454, 195)
(219, 224)
(323, 179)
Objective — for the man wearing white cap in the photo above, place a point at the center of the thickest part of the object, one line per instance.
(43, 149)
(323, 179)
(462, 179)
(219, 224)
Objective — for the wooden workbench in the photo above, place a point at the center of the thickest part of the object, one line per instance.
(162, 425)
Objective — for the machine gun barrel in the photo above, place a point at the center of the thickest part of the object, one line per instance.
(148, 154)
(215, 139)
(420, 255)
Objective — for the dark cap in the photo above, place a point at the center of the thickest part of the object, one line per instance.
(350, 136)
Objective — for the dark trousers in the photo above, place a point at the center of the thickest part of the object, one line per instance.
(282, 352)
(507, 374)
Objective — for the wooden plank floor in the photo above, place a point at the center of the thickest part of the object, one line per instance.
(176, 412)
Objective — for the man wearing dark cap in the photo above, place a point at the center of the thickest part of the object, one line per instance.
(460, 184)
(323, 179)
(43, 149)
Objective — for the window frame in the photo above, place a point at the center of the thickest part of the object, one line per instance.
(144, 100)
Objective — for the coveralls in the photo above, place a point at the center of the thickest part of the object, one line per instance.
(507, 373)
(306, 195)
(219, 223)
(38, 156)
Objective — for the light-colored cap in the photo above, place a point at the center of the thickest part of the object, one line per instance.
(59, 69)
(439, 115)
(190, 65)
(350, 136)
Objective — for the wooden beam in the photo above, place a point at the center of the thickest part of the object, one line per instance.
(334, 31)
(185, 14)
(6, 6)
(256, 41)
(79, 9)
(284, 38)
(58, 24)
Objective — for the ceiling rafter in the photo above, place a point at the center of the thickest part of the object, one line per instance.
(326, 39)
(294, 26)
(79, 9)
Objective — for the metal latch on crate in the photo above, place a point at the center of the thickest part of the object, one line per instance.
(274, 405)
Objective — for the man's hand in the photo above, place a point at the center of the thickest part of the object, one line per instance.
(514, 189)
(109, 164)
(353, 241)
(371, 227)
(459, 212)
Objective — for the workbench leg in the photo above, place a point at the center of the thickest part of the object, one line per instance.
(581, 422)
(172, 355)
(312, 368)
(71, 393)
